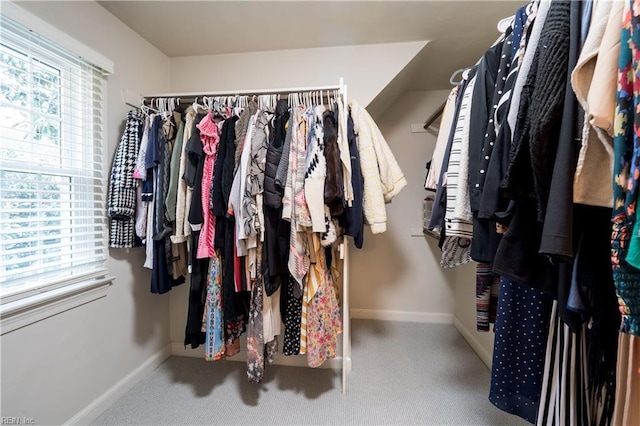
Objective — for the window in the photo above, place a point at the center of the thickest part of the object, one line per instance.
(52, 175)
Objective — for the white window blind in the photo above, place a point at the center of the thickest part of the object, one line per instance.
(52, 173)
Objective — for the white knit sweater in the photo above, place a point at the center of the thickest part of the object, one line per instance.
(383, 178)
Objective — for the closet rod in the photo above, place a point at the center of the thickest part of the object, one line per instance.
(281, 91)
(434, 116)
(190, 99)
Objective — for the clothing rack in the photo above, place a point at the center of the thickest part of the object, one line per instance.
(318, 92)
(434, 116)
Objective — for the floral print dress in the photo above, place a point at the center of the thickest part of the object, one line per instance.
(323, 322)
(627, 168)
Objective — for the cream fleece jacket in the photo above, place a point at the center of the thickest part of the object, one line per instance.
(383, 178)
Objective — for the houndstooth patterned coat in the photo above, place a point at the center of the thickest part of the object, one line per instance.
(121, 201)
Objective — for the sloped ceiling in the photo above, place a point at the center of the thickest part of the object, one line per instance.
(458, 31)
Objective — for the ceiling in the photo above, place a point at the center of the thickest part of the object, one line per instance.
(459, 31)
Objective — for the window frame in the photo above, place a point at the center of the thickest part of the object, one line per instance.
(23, 306)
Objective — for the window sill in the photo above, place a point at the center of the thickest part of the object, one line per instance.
(20, 313)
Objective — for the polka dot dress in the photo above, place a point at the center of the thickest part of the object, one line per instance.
(521, 330)
(292, 319)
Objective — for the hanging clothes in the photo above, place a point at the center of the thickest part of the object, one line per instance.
(355, 212)
(184, 192)
(276, 232)
(121, 199)
(213, 325)
(480, 114)
(457, 231)
(210, 138)
(626, 171)
(255, 332)
(315, 169)
(294, 204)
(446, 122)
(256, 199)
(179, 261)
(334, 184)
(140, 173)
(540, 212)
(522, 326)
(382, 182)
(323, 320)
(594, 83)
(627, 410)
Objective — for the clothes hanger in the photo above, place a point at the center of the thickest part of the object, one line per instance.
(146, 109)
(235, 108)
(455, 73)
(505, 23)
(171, 106)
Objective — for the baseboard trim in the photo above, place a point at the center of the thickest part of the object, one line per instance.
(104, 401)
(402, 316)
(482, 353)
(178, 349)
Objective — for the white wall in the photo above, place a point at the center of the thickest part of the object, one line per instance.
(465, 313)
(396, 271)
(399, 272)
(367, 69)
(54, 368)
